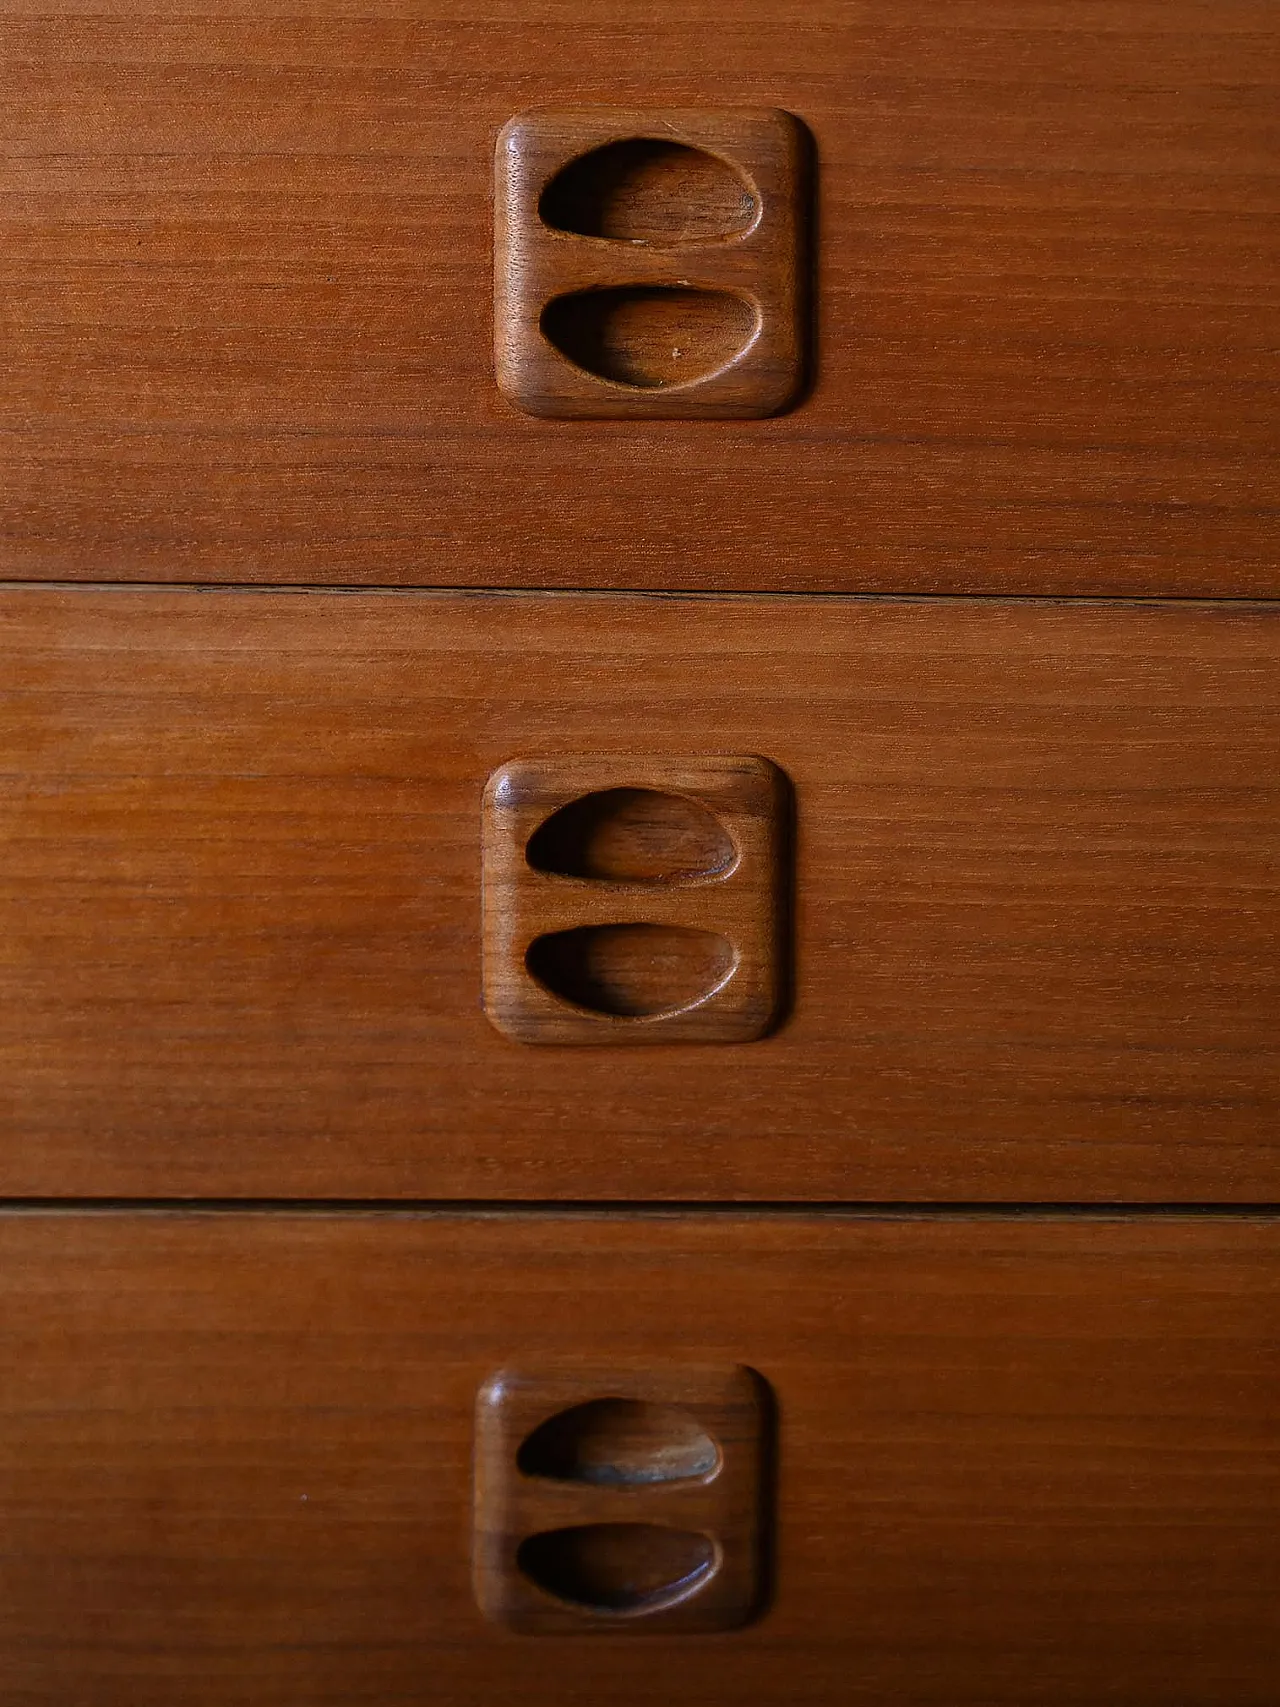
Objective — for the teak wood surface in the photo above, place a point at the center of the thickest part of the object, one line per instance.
(1035, 925)
(647, 955)
(730, 341)
(1019, 1460)
(246, 257)
(650, 1539)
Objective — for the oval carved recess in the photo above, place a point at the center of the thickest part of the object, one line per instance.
(649, 190)
(631, 970)
(632, 835)
(618, 1567)
(620, 1443)
(651, 336)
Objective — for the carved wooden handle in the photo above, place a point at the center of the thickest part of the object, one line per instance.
(631, 900)
(651, 263)
(622, 1499)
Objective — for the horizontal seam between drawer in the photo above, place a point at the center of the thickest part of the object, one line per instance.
(637, 1208)
(302, 589)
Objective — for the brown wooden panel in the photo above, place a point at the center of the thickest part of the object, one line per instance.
(703, 320)
(701, 951)
(662, 1524)
(1021, 1460)
(246, 262)
(1036, 900)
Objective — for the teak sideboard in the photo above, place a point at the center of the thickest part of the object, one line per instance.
(640, 853)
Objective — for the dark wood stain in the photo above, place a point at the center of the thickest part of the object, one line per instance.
(1020, 1461)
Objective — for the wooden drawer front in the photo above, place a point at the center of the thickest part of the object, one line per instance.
(1018, 1460)
(248, 271)
(1035, 897)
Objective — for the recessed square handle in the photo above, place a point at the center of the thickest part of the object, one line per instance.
(622, 1500)
(651, 263)
(631, 900)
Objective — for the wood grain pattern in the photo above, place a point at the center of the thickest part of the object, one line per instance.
(649, 953)
(618, 294)
(1036, 902)
(1020, 1460)
(246, 260)
(620, 1500)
